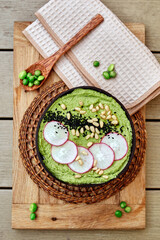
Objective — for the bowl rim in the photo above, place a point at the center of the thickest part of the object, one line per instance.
(127, 114)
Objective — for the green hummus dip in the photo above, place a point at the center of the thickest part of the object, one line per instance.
(71, 100)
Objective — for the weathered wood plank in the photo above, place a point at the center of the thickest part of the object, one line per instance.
(6, 86)
(6, 153)
(144, 11)
(152, 165)
(151, 232)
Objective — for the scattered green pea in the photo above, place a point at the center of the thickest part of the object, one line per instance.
(123, 204)
(31, 79)
(25, 81)
(29, 75)
(40, 78)
(30, 84)
(118, 213)
(32, 216)
(37, 73)
(127, 209)
(96, 63)
(33, 207)
(111, 67)
(106, 75)
(36, 82)
(112, 74)
(22, 75)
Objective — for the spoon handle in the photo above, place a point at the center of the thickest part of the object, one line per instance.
(49, 62)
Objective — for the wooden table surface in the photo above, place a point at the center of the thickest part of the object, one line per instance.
(144, 11)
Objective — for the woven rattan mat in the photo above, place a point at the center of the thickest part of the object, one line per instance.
(67, 192)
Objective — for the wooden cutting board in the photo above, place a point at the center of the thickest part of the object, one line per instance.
(53, 213)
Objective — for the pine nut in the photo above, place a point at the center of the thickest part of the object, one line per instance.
(91, 107)
(89, 144)
(101, 105)
(101, 123)
(92, 129)
(94, 169)
(81, 103)
(97, 108)
(95, 163)
(77, 176)
(103, 112)
(68, 116)
(97, 131)
(82, 112)
(109, 113)
(77, 109)
(90, 120)
(77, 158)
(96, 124)
(77, 133)
(94, 110)
(96, 136)
(73, 131)
(88, 136)
(87, 127)
(84, 153)
(114, 122)
(98, 170)
(107, 108)
(80, 162)
(94, 119)
(109, 117)
(102, 116)
(63, 106)
(92, 135)
(101, 172)
(114, 117)
(105, 176)
(82, 130)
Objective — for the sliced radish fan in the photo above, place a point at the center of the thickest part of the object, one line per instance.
(87, 159)
(118, 143)
(64, 154)
(55, 133)
(103, 154)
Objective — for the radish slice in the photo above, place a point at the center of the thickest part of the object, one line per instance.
(118, 143)
(87, 159)
(55, 133)
(103, 154)
(64, 154)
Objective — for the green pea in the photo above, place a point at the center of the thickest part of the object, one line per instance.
(25, 81)
(35, 77)
(33, 207)
(118, 213)
(32, 216)
(36, 82)
(40, 78)
(31, 79)
(123, 204)
(106, 75)
(127, 209)
(112, 74)
(29, 74)
(22, 75)
(96, 64)
(37, 73)
(111, 67)
(30, 84)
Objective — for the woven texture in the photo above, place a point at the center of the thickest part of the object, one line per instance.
(110, 42)
(56, 188)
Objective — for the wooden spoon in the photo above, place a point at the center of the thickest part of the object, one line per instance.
(46, 65)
